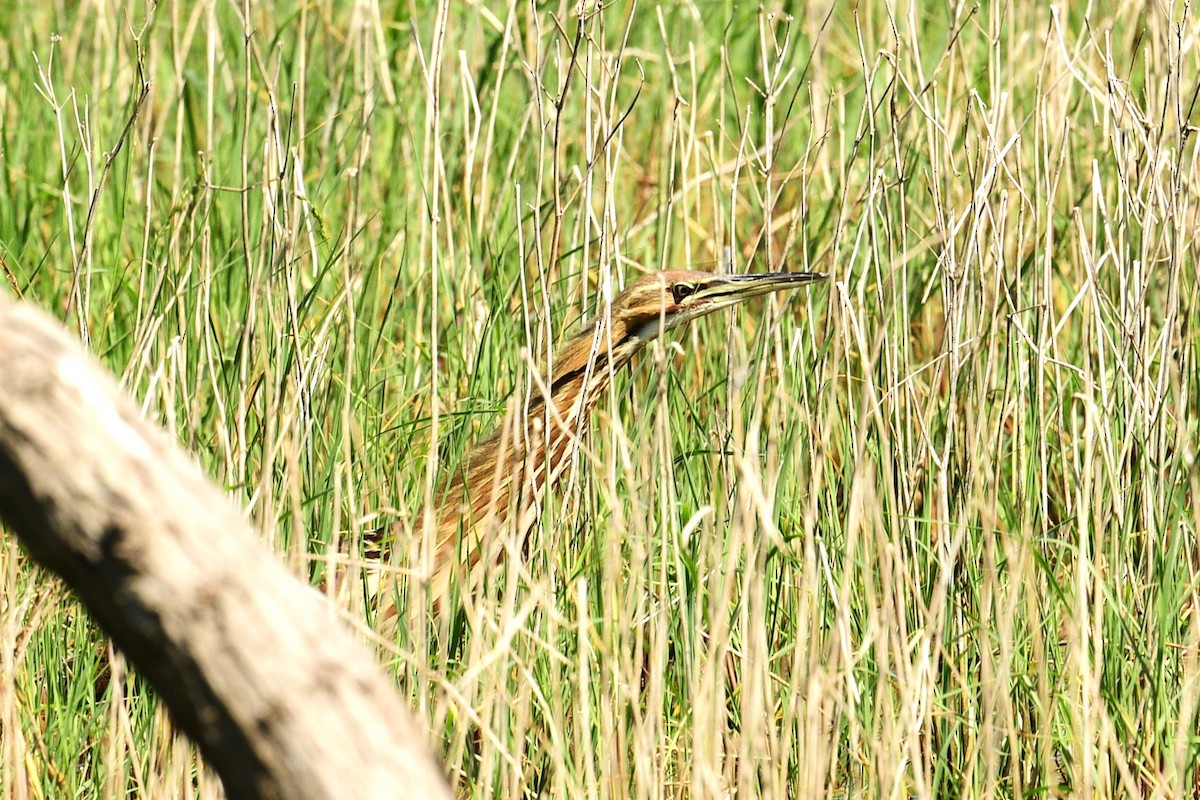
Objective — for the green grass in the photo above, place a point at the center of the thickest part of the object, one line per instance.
(926, 531)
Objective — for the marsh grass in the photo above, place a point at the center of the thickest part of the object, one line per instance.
(926, 531)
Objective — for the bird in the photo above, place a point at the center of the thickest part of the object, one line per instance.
(504, 475)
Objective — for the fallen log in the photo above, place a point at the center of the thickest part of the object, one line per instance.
(251, 663)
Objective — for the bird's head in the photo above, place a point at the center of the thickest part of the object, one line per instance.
(662, 301)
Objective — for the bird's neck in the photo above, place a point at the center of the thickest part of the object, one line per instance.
(587, 361)
(532, 447)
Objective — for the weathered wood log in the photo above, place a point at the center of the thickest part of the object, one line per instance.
(251, 663)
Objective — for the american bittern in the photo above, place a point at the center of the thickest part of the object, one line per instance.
(508, 471)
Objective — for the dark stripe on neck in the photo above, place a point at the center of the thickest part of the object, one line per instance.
(599, 362)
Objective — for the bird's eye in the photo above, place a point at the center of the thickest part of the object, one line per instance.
(682, 291)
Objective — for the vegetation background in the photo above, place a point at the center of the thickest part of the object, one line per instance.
(928, 530)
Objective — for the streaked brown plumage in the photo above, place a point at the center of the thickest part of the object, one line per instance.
(506, 472)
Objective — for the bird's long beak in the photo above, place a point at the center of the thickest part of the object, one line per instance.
(752, 284)
(725, 290)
